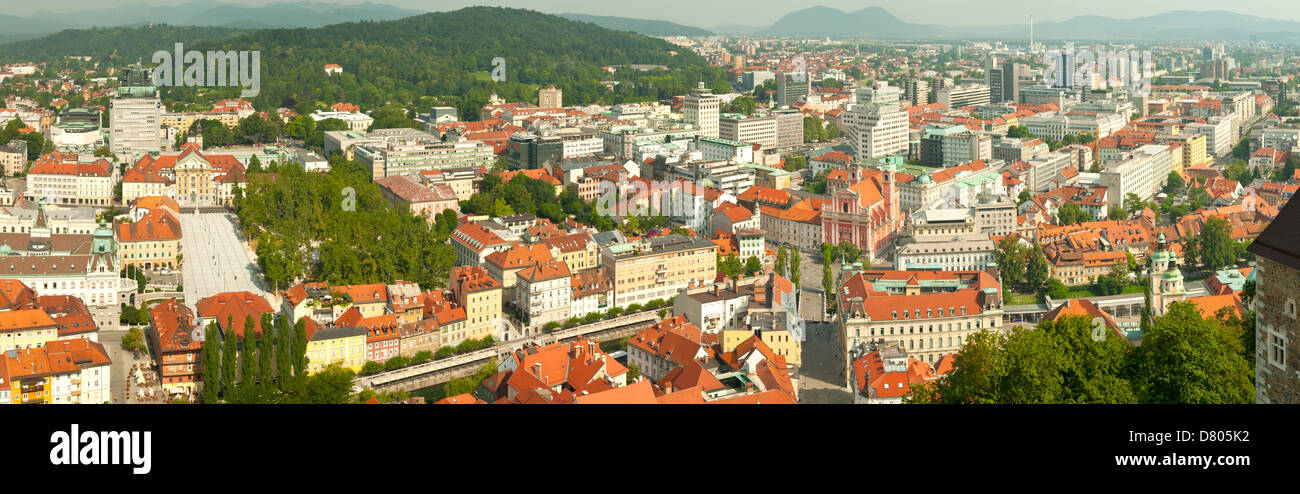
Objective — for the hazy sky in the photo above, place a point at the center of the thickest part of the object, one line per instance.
(710, 13)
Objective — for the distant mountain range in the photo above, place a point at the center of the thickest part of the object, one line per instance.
(876, 22)
(639, 26)
(815, 22)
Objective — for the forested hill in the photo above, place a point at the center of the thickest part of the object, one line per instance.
(450, 55)
(415, 62)
(114, 45)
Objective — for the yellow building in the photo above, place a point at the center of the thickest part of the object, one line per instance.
(480, 295)
(578, 250)
(151, 243)
(1193, 153)
(780, 342)
(334, 345)
(182, 121)
(658, 268)
(26, 328)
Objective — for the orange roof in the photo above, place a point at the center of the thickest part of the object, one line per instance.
(156, 225)
(535, 174)
(232, 309)
(25, 320)
(364, 294)
(544, 270)
(1211, 304)
(461, 399)
(637, 393)
(173, 324)
(519, 256)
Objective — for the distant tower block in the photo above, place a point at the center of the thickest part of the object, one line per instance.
(1031, 34)
(550, 97)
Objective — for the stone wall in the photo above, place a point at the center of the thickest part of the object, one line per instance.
(1277, 286)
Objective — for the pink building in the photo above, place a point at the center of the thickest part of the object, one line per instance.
(402, 192)
(865, 213)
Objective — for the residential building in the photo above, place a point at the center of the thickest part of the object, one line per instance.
(474, 242)
(233, 312)
(658, 267)
(888, 375)
(334, 345)
(59, 372)
(13, 157)
(543, 293)
(71, 183)
(176, 346)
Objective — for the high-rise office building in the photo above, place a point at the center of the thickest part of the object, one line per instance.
(1004, 80)
(879, 93)
(135, 117)
(917, 92)
(876, 131)
(701, 110)
(964, 95)
(791, 87)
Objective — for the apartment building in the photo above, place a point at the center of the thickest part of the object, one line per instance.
(474, 242)
(750, 129)
(658, 267)
(543, 293)
(480, 296)
(334, 345)
(59, 372)
(13, 157)
(176, 346)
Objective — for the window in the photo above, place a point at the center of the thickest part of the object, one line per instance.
(1277, 350)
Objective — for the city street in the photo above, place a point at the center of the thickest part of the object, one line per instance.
(216, 260)
(821, 378)
(822, 373)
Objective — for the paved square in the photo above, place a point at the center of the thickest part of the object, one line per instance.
(216, 260)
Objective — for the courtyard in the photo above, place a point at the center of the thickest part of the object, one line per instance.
(216, 259)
